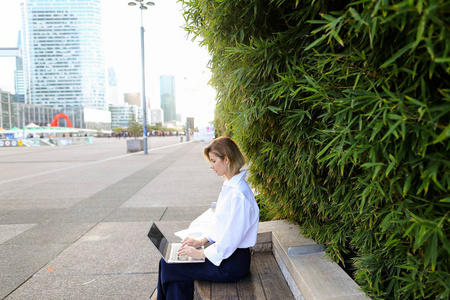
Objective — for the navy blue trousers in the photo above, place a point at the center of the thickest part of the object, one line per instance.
(176, 281)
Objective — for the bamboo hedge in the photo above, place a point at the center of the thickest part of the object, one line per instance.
(343, 110)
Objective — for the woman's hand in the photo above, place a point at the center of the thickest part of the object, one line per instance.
(193, 242)
(189, 245)
(191, 252)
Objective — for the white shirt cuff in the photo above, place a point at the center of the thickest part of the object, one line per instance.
(213, 256)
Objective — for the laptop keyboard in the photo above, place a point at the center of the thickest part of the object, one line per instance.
(173, 253)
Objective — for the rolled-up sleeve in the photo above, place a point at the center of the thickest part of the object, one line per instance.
(241, 220)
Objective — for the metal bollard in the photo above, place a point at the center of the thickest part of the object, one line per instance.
(181, 139)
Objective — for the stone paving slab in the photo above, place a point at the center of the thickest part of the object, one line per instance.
(84, 215)
(24, 216)
(9, 231)
(109, 248)
(9, 284)
(135, 214)
(24, 261)
(48, 233)
(183, 213)
(99, 287)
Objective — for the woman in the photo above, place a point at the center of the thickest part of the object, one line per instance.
(233, 231)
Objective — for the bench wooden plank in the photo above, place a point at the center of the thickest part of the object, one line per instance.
(265, 281)
(273, 282)
(203, 289)
(221, 290)
(250, 287)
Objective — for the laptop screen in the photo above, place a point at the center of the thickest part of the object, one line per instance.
(158, 239)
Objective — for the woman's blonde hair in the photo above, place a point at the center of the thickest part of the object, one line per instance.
(225, 147)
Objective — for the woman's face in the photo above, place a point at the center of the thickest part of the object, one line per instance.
(218, 165)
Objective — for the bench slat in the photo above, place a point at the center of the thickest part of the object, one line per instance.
(250, 287)
(221, 290)
(203, 290)
(273, 282)
(265, 281)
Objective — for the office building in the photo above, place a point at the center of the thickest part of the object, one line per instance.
(62, 48)
(167, 94)
(18, 74)
(14, 114)
(112, 91)
(133, 99)
(156, 116)
(122, 114)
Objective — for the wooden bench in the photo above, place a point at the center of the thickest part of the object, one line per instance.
(265, 281)
(285, 265)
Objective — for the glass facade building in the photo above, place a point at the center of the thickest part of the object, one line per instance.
(18, 75)
(62, 48)
(14, 114)
(167, 94)
(121, 115)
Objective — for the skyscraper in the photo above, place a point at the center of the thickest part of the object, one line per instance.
(167, 94)
(63, 58)
(18, 75)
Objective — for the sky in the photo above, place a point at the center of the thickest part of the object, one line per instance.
(168, 51)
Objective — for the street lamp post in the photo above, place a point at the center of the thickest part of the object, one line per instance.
(143, 7)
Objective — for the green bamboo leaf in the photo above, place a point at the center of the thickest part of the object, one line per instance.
(337, 38)
(316, 42)
(356, 16)
(406, 267)
(370, 165)
(414, 101)
(394, 117)
(390, 167)
(397, 55)
(363, 202)
(424, 222)
(274, 109)
(444, 240)
(434, 250)
(444, 134)
(385, 221)
(327, 146)
(442, 60)
(410, 228)
(420, 30)
(391, 130)
(423, 236)
(377, 129)
(407, 184)
(377, 7)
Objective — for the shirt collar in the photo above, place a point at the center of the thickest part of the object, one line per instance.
(236, 179)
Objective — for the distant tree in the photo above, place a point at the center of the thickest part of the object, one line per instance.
(118, 129)
(134, 128)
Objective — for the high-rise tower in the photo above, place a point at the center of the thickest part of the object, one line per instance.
(18, 75)
(63, 58)
(167, 94)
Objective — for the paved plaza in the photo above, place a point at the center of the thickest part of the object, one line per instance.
(74, 220)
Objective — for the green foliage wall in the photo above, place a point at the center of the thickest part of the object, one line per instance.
(343, 109)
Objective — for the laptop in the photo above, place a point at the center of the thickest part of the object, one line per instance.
(169, 250)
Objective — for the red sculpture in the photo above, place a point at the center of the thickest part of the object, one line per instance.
(55, 121)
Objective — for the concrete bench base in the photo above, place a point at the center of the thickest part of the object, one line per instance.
(308, 273)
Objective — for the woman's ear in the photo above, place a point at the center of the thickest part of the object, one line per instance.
(226, 160)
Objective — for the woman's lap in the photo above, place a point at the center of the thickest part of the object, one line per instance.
(231, 270)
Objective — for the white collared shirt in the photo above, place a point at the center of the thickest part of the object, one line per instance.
(236, 220)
